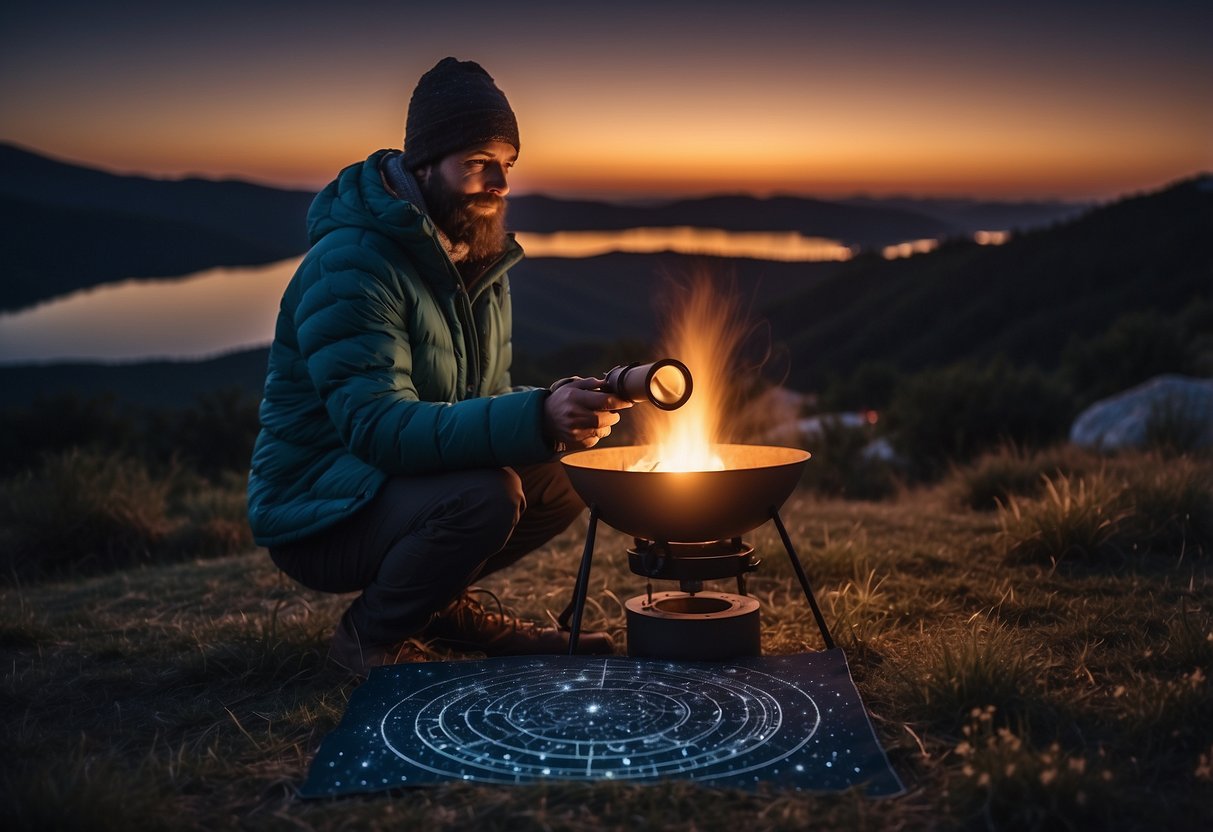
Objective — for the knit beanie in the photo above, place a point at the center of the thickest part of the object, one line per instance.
(455, 105)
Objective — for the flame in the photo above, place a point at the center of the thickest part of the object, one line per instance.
(705, 332)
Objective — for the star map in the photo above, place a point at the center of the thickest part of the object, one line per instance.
(794, 720)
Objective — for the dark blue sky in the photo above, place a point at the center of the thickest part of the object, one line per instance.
(1001, 99)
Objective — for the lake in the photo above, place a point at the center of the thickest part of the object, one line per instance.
(225, 309)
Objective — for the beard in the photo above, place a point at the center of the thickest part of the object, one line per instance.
(474, 220)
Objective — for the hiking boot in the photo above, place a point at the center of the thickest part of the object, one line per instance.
(466, 625)
(348, 651)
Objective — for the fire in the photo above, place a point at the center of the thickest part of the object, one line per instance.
(704, 332)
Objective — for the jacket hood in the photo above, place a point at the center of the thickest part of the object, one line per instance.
(358, 198)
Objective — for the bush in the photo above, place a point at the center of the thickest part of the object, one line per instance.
(1013, 472)
(841, 465)
(214, 436)
(214, 518)
(58, 423)
(871, 386)
(952, 415)
(1175, 429)
(1075, 518)
(990, 665)
(1135, 348)
(1171, 507)
(1114, 513)
(83, 511)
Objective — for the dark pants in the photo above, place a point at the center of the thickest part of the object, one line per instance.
(419, 543)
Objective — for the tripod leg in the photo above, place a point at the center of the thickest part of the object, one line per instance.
(577, 605)
(804, 580)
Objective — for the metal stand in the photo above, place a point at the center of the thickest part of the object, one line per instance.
(577, 606)
(804, 580)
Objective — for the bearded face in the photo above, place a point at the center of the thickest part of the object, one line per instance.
(476, 220)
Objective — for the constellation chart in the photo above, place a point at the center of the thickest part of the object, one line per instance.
(794, 720)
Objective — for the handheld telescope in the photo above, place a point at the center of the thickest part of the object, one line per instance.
(665, 383)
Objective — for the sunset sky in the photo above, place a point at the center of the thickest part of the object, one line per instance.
(1024, 99)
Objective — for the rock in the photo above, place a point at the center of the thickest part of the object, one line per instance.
(882, 450)
(1122, 421)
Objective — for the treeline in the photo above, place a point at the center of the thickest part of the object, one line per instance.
(213, 438)
(91, 484)
(1111, 281)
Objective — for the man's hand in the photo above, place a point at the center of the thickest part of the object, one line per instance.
(577, 414)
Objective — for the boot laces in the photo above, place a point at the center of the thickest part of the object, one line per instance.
(470, 615)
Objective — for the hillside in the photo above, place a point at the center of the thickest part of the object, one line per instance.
(153, 383)
(67, 227)
(558, 302)
(53, 250)
(1024, 300)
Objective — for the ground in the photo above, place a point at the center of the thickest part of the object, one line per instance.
(1011, 690)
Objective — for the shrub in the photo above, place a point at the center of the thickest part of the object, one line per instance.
(841, 465)
(952, 415)
(1171, 507)
(1176, 430)
(215, 435)
(1011, 471)
(82, 509)
(987, 666)
(57, 423)
(1144, 509)
(1074, 518)
(214, 519)
(871, 386)
(87, 511)
(1133, 349)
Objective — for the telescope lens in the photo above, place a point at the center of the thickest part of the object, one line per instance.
(665, 383)
(668, 385)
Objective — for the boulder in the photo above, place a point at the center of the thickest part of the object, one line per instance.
(1122, 421)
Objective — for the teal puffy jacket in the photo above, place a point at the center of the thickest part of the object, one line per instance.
(381, 365)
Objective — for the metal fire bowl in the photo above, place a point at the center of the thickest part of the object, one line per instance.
(690, 506)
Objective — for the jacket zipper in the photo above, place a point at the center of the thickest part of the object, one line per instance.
(471, 339)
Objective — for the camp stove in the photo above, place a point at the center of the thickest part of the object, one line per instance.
(687, 527)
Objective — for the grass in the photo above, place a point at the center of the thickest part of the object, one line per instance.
(1013, 687)
(1144, 506)
(83, 510)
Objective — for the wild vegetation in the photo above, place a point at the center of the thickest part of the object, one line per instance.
(1032, 636)
(1136, 272)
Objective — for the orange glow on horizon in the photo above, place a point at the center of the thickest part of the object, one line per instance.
(985, 100)
(838, 143)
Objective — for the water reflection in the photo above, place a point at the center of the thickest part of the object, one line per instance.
(219, 310)
(912, 247)
(909, 248)
(765, 245)
(213, 311)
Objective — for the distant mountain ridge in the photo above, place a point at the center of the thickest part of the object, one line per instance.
(68, 227)
(973, 215)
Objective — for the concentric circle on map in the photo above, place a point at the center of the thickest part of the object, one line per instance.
(621, 719)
